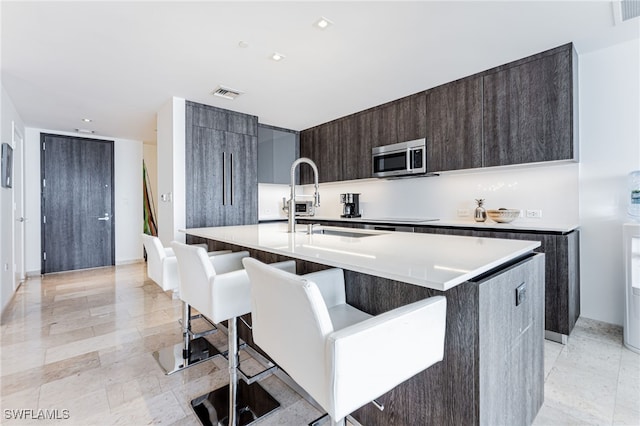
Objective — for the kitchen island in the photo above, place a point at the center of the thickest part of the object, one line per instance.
(492, 371)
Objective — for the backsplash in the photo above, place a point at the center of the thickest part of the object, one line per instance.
(550, 188)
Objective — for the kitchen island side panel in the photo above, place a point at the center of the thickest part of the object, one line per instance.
(446, 392)
(450, 392)
(511, 335)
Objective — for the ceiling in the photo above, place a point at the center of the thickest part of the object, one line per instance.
(117, 63)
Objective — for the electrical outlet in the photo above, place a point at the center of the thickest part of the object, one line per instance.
(463, 213)
(534, 214)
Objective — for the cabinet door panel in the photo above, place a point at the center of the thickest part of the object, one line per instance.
(411, 117)
(206, 116)
(356, 147)
(387, 124)
(204, 178)
(528, 112)
(209, 148)
(454, 126)
(241, 179)
(310, 149)
(568, 271)
(322, 145)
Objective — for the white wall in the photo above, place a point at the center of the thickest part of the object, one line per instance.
(9, 119)
(171, 171)
(610, 149)
(552, 188)
(127, 192)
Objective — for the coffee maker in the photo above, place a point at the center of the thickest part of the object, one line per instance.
(350, 205)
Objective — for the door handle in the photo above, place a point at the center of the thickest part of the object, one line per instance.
(231, 175)
(224, 178)
(106, 217)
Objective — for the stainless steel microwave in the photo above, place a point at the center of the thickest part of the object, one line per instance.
(400, 159)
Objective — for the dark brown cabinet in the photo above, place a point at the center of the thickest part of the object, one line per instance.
(454, 126)
(521, 112)
(221, 167)
(323, 145)
(411, 117)
(528, 111)
(562, 266)
(562, 271)
(342, 148)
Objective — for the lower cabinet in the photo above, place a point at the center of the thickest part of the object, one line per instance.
(562, 268)
(562, 271)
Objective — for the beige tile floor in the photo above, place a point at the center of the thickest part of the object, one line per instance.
(83, 342)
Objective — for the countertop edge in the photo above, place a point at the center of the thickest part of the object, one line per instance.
(515, 227)
(202, 232)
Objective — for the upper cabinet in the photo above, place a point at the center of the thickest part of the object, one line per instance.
(454, 126)
(277, 149)
(528, 111)
(342, 148)
(521, 112)
(221, 161)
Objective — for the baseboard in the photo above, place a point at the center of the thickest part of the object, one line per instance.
(129, 262)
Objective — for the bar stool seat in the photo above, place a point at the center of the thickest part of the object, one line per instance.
(220, 289)
(331, 349)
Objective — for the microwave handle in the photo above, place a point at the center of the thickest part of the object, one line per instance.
(408, 159)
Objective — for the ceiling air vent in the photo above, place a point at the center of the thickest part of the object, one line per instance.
(630, 9)
(227, 93)
(625, 10)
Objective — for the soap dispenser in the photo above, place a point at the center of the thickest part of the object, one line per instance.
(481, 213)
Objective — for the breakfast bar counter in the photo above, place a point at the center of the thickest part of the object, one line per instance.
(492, 371)
(438, 262)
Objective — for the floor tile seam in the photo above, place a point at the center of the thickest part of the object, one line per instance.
(577, 414)
(592, 369)
(108, 347)
(186, 411)
(617, 398)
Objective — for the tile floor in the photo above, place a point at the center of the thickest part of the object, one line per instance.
(83, 342)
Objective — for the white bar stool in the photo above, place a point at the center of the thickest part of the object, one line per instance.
(162, 268)
(219, 288)
(331, 349)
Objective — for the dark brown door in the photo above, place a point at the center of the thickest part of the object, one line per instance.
(77, 203)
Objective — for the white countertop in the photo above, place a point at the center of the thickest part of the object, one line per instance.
(516, 225)
(434, 261)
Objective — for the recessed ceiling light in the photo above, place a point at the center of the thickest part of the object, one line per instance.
(277, 56)
(85, 131)
(323, 23)
(87, 120)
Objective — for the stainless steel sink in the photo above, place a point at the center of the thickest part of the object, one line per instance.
(342, 233)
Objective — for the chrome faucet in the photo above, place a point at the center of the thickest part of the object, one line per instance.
(292, 200)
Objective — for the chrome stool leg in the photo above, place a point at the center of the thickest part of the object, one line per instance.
(238, 403)
(190, 351)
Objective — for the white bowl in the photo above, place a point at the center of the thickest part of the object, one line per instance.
(503, 215)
